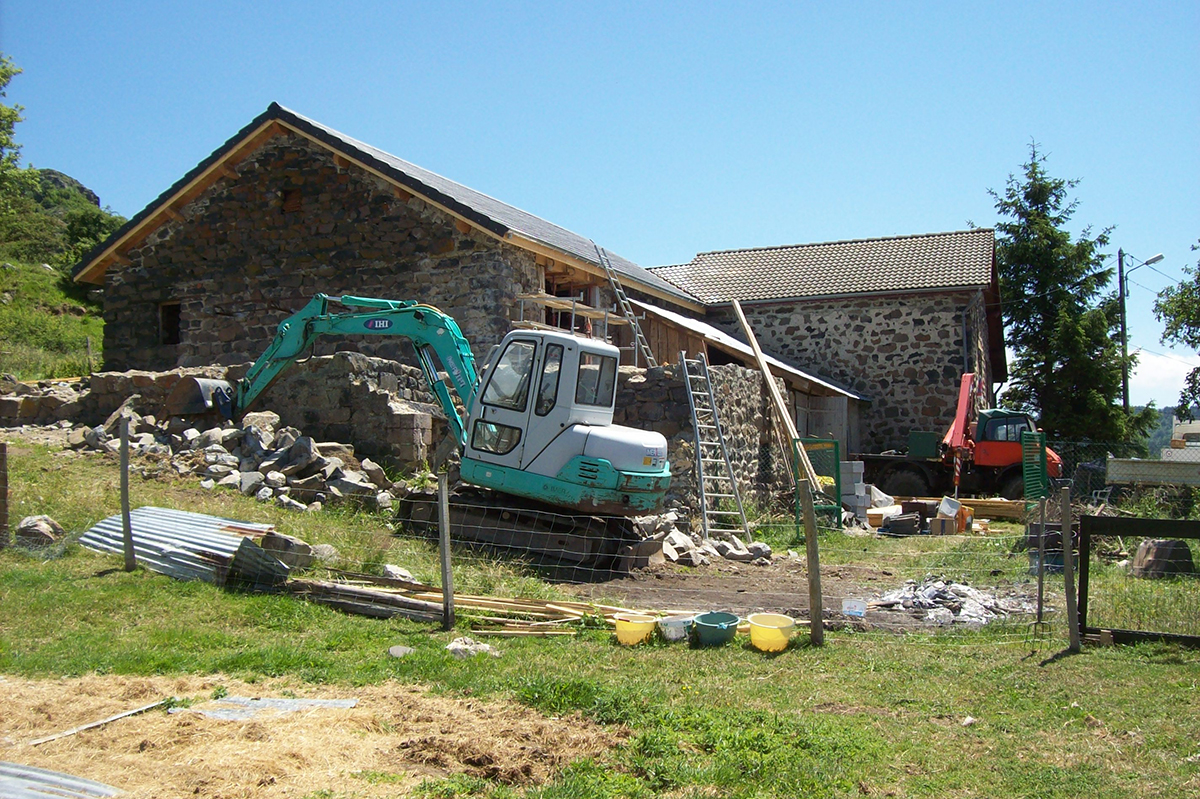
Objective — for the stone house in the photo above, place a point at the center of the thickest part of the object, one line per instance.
(288, 207)
(897, 319)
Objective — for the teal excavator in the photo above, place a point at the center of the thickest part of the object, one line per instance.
(537, 424)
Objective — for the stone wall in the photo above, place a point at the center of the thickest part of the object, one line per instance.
(385, 411)
(904, 352)
(656, 399)
(251, 250)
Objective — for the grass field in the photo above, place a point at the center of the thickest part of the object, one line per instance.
(45, 325)
(869, 714)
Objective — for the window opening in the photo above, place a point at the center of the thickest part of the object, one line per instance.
(548, 388)
(508, 386)
(169, 318)
(291, 201)
(499, 439)
(597, 381)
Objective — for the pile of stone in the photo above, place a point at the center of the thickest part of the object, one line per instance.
(257, 457)
(941, 603)
(666, 543)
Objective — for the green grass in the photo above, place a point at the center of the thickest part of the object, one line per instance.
(868, 714)
(45, 323)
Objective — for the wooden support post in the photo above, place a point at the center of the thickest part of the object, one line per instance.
(126, 523)
(4, 533)
(816, 628)
(89, 352)
(1069, 572)
(444, 536)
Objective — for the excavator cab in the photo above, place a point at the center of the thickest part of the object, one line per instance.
(541, 427)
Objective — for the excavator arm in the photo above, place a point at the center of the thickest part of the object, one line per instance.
(432, 333)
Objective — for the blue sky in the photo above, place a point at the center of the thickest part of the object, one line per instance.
(663, 129)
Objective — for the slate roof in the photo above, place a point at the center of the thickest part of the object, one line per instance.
(896, 264)
(488, 212)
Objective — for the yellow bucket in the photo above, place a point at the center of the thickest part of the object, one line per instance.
(634, 628)
(769, 632)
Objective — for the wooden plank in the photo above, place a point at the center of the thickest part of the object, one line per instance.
(101, 722)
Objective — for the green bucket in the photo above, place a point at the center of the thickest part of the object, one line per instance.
(714, 629)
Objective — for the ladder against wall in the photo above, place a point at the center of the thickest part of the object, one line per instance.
(714, 471)
(640, 345)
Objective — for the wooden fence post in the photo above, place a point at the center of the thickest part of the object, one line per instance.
(126, 523)
(4, 534)
(444, 537)
(816, 625)
(1069, 571)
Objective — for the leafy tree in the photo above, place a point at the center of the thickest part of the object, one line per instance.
(1061, 325)
(1178, 307)
(14, 181)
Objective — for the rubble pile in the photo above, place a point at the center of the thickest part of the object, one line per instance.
(940, 603)
(258, 457)
(666, 543)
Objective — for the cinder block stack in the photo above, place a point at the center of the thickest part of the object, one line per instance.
(856, 496)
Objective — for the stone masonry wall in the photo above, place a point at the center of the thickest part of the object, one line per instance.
(905, 352)
(239, 262)
(656, 399)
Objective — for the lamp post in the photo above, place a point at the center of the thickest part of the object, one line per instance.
(1123, 291)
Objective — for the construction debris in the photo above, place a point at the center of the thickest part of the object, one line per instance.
(38, 531)
(17, 780)
(940, 603)
(193, 546)
(463, 648)
(245, 708)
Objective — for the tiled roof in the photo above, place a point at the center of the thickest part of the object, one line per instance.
(898, 264)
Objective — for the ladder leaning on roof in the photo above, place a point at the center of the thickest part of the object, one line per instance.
(714, 472)
(641, 345)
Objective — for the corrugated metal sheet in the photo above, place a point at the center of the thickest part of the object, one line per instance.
(244, 708)
(192, 546)
(20, 782)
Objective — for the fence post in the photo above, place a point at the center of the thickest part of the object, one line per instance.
(444, 545)
(816, 626)
(126, 523)
(1069, 571)
(4, 539)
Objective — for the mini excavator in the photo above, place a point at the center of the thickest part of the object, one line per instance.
(536, 424)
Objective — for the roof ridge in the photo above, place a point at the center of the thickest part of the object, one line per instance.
(835, 242)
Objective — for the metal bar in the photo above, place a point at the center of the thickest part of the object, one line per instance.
(1085, 559)
(1041, 560)
(99, 723)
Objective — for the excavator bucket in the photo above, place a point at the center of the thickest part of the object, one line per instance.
(195, 396)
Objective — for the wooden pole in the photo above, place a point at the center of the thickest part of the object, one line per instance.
(1069, 572)
(126, 523)
(89, 354)
(781, 409)
(4, 534)
(816, 627)
(444, 536)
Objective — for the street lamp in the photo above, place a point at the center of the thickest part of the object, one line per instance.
(1123, 291)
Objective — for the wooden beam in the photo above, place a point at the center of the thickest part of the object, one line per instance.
(401, 192)
(172, 213)
(462, 226)
(781, 409)
(226, 171)
(340, 161)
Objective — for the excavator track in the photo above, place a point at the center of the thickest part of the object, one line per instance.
(561, 545)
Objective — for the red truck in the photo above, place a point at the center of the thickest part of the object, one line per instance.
(984, 449)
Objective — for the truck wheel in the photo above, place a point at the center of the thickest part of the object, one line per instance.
(1013, 487)
(906, 483)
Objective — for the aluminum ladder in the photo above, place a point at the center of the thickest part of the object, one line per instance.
(714, 471)
(641, 345)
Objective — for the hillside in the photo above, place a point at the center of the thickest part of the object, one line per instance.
(46, 320)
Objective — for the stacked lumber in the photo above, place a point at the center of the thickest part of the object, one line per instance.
(383, 597)
(994, 508)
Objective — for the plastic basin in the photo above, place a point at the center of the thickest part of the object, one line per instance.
(675, 628)
(714, 629)
(770, 632)
(633, 628)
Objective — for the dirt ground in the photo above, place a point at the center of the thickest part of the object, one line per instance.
(396, 736)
